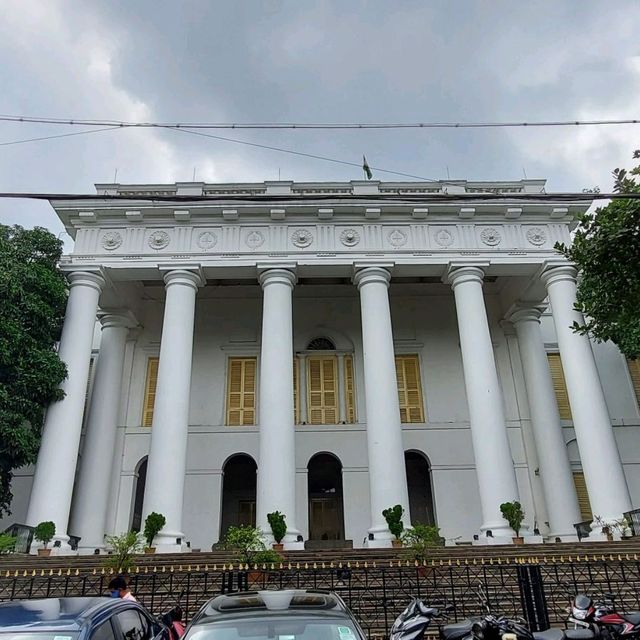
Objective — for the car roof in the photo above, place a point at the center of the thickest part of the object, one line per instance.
(253, 604)
(54, 614)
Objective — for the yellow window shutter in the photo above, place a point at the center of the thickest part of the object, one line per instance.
(349, 393)
(241, 391)
(150, 391)
(583, 496)
(409, 389)
(634, 372)
(322, 389)
(559, 385)
(296, 394)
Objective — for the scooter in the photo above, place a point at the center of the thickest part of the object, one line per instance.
(414, 621)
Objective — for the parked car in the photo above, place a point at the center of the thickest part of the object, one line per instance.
(78, 619)
(283, 615)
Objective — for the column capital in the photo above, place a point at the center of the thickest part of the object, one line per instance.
(368, 275)
(183, 277)
(87, 279)
(525, 312)
(459, 274)
(117, 318)
(553, 274)
(277, 276)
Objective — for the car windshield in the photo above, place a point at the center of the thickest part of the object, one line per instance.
(275, 629)
(38, 635)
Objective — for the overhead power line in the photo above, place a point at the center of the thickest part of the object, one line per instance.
(315, 125)
(60, 135)
(399, 198)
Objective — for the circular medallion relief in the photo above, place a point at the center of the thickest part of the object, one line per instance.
(254, 240)
(111, 240)
(444, 238)
(490, 236)
(207, 240)
(397, 238)
(536, 236)
(302, 238)
(349, 237)
(159, 240)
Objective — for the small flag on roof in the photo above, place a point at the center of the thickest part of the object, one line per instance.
(366, 169)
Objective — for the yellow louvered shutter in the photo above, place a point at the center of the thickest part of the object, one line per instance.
(296, 395)
(559, 385)
(349, 393)
(583, 496)
(241, 392)
(150, 391)
(322, 389)
(409, 388)
(634, 372)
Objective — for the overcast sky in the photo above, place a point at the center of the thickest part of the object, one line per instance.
(298, 60)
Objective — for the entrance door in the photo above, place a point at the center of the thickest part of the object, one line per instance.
(326, 511)
(419, 486)
(238, 493)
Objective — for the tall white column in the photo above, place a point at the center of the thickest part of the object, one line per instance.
(56, 467)
(494, 463)
(164, 488)
(276, 489)
(553, 461)
(603, 473)
(387, 472)
(89, 514)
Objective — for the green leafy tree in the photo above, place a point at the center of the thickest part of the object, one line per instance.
(606, 249)
(123, 549)
(33, 296)
(278, 525)
(393, 516)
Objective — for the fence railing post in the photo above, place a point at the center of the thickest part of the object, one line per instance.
(532, 596)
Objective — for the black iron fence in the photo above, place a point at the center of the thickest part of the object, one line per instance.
(541, 592)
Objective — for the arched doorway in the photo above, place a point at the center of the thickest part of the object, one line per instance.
(420, 490)
(326, 510)
(138, 499)
(238, 493)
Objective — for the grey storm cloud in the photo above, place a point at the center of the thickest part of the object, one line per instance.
(303, 61)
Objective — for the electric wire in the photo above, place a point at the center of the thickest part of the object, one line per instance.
(398, 198)
(316, 125)
(298, 153)
(61, 135)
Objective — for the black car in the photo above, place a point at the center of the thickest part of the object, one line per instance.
(275, 615)
(78, 619)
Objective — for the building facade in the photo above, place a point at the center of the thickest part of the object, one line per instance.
(328, 350)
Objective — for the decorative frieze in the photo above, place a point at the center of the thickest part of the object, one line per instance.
(324, 237)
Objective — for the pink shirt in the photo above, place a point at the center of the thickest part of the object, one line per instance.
(129, 596)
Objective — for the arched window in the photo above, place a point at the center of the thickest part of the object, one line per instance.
(321, 344)
(420, 490)
(138, 496)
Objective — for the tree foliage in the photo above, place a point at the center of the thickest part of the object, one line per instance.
(33, 296)
(606, 249)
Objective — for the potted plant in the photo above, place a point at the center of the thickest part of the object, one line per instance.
(44, 532)
(608, 527)
(420, 539)
(245, 542)
(152, 527)
(123, 548)
(278, 528)
(393, 516)
(512, 512)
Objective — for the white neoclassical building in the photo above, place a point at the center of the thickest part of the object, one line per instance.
(328, 350)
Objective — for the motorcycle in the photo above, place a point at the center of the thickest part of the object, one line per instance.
(502, 628)
(414, 621)
(604, 619)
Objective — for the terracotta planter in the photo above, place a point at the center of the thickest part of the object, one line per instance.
(149, 550)
(518, 540)
(278, 546)
(396, 544)
(45, 553)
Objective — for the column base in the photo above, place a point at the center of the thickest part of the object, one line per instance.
(561, 537)
(91, 550)
(294, 545)
(484, 541)
(63, 549)
(377, 543)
